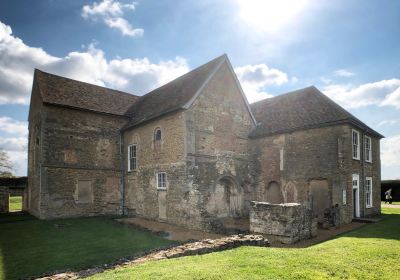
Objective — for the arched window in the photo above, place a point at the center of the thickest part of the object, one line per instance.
(157, 139)
(157, 134)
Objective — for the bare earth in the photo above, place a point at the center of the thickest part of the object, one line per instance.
(183, 235)
(171, 232)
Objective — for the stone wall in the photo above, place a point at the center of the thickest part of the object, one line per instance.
(34, 151)
(287, 223)
(12, 186)
(219, 166)
(175, 204)
(314, 164)
(79, 167)
(4, 199)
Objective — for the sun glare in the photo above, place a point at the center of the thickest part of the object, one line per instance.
(270, 15)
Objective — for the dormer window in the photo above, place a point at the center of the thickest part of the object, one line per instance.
(157, 139)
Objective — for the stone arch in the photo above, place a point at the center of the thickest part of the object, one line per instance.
(273, 193)
(290, 192)
(157, 138)
(226, 199)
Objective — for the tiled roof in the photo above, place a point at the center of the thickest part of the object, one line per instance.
(67, 92)
(300, 109)
(174, 95)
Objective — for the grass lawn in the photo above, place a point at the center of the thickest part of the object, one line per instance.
(31, 247)
(15, 203)
(371, 252)
(393, 202)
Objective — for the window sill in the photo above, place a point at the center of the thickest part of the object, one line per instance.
(356, 159)
(161, 189)
(369, 206)
(368, 161)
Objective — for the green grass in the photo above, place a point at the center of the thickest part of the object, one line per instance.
(30, 247)
(370, 252)
(15, 203)
(393, 202)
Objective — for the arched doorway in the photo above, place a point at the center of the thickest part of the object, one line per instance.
(272, 193)
(227, 199)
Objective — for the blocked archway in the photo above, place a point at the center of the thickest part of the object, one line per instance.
(273, 193)
(227, 199)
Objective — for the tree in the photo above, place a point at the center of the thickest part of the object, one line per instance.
(5, 164)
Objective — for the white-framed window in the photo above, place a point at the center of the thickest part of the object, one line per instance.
(344, 197)
(161, 180)
(356, 180)
(368, 192)
(368, 149)
(356, 144)
(132, 157)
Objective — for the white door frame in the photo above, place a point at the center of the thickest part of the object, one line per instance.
(356, 178)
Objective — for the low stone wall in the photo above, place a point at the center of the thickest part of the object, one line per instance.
(287, 223)
(201, 247)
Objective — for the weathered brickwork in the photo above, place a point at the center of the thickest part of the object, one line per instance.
(191, 153)
(219, 167)
(77, 146)
(315, 163)
(143, 198)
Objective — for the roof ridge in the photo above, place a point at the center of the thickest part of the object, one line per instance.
(283, 95)
(156, 90)
(77, 81)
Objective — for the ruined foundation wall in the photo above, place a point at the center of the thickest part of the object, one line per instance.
(287, 223)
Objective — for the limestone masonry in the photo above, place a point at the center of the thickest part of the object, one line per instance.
(194, 153)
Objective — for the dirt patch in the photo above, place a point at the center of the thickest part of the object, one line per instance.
(168, 231)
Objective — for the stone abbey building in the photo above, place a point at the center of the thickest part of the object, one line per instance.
(193, 152)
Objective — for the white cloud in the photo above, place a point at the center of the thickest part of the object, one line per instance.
(111, 13)
(254, 78)
(388, 122)
(16, 145)
(343, 73)
(381, 93)
(17, 61)
(16, 148)
(390, 151)
(11, 126)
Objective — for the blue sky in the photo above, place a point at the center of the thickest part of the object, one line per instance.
(348, 49)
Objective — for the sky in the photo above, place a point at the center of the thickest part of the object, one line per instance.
(349, 49)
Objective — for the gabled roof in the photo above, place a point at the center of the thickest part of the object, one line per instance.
(178, 94)
(301, 109)
(62, 91)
